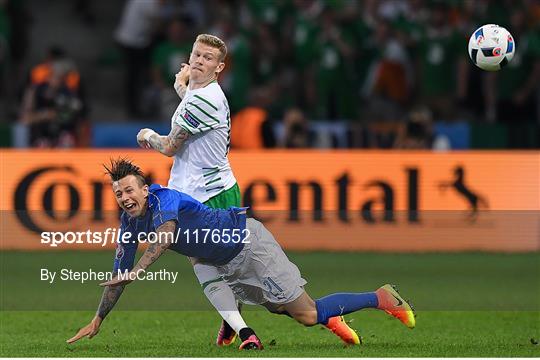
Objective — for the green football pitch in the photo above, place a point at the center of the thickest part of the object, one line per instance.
(472, 304)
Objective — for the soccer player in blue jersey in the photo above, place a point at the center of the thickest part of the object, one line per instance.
(245, 253)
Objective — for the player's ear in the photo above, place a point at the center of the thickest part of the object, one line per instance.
(220, 67)
(145, 190)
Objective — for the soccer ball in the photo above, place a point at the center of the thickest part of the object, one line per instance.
(491, 47)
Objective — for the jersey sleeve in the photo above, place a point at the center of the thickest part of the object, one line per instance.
(126, 249)
(165, 207)
(200, 114)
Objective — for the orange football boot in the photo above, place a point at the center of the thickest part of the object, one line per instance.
(338, 326)
(391, 302)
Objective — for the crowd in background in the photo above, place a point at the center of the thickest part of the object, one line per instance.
(387, 68)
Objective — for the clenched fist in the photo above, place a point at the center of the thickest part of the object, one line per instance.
(143, 136)
(182, 79)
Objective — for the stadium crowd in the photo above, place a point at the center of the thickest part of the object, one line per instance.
(306, 73)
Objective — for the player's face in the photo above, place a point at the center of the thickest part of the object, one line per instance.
(204, 62)
(131, 195)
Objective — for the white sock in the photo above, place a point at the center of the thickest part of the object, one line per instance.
(220, 295)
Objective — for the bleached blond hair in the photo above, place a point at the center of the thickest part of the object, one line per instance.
(214, 42)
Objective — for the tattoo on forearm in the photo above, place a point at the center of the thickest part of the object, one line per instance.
(110, 296)
(156, 142)
(177, 137)
(154, 250)
(169, 145)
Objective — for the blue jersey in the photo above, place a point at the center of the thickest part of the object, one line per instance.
(201, 232)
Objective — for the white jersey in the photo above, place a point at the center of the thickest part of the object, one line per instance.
(201, 168)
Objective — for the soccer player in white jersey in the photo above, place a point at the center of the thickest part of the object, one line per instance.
(199, 141)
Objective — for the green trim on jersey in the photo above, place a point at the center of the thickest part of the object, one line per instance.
(211, 173)
(226, 199)
(201, 110)
(212, 181)
(206, 101)
(199, 120)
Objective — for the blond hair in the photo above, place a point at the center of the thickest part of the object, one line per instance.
(214, 42)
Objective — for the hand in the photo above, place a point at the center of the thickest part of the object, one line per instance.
(182, 77)
(89, 330)
(141, 138)
(124, 280)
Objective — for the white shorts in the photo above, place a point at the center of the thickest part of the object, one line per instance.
(261, 272)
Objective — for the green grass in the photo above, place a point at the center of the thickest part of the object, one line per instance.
(474, 305)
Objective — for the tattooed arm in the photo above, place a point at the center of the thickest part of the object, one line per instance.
(167, 145)
(165, 236)
(110, 296)
(115, 287)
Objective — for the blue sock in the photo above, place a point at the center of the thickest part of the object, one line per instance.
(342, 304)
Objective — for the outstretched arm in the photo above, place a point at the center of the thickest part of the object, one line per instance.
(167, 145)
(165, 237)
(108, 300)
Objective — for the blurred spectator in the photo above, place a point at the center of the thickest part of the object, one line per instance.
(167, 57)
(515, 88)
(43, 72)
(134, 34)
(356, 21)
(265, 54)
(303, 23)
(297, 133)
(250, 127)
(270, 13)
(234, 79)
(409, 24)
(336, 86)
(470, 89)
(417, 132)
(52, 109)
(441, 62)
(388, 84)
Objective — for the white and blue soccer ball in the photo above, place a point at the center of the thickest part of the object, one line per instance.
(491, 47)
